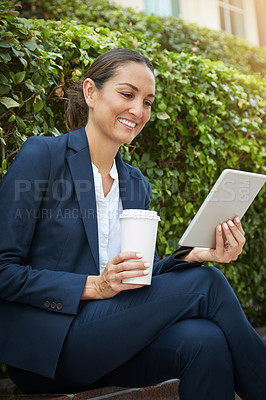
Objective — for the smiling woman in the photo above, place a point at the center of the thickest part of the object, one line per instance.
(119, 110)
(103, 68)
(62, 269)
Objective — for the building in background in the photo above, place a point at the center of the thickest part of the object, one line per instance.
(245, 18)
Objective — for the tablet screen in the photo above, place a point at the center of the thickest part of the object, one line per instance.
(231, 196)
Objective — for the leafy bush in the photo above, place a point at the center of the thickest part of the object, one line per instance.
(171, 33)
(3, 372)
(206, 117)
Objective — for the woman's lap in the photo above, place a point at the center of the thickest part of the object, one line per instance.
(170, 354)
(112, 331)
(107, 333)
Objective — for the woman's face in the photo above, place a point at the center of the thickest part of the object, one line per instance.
(121, 108)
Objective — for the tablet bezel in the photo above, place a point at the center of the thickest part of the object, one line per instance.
(219, 207)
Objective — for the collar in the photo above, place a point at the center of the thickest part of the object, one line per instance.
(113, 171)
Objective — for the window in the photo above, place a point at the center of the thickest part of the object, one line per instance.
(232, 16)
(260, 6)
(163, 8)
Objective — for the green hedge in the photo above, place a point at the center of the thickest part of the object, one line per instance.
(171, 33)
(206, 117)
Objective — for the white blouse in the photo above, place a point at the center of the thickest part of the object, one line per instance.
(108, 210)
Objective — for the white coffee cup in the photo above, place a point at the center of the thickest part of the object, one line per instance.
(138, 233)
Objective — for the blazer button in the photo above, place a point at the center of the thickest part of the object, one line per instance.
(47, 304)
(59, 306)
(53, 304)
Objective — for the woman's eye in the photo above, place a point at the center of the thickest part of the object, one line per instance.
(148, 103)
(128, 95)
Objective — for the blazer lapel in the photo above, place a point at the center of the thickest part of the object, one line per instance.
(79, 162)
(129, 186)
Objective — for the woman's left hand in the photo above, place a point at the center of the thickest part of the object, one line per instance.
(227, 249)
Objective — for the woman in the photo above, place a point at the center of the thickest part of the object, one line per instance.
(67, 321)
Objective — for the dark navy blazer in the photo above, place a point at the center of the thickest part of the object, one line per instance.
(49, 244)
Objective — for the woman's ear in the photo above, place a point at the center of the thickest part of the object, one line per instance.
(89, 89)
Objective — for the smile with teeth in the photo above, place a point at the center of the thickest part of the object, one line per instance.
(127, 123)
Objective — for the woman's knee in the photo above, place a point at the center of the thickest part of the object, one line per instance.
(213, 274)
(202, 275)
(205, 342)
(216, 280)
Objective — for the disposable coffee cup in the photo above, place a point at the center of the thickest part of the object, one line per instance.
(138, 233)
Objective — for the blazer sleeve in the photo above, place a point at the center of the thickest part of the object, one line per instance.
(18, 193)
(174, 261)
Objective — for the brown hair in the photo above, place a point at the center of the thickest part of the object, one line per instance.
(103, 68)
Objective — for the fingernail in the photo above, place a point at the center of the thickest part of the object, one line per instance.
(219, 228)
(139, 255)
(237, 220)
(146, 265)
(145, 272)
(225, 226)
(230, 222)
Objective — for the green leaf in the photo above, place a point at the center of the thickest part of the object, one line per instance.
(55, 132)
(245, 148)
(158, 172)
(193, 112)
(2, 140)
(8, 102)
(5, 57)
(163, 116)
(19, 76)
(12, 118)
(4, 44)
(36, 78)
(204, 139)
(149, 172)
(21, 124)
(13, 12)
(17, 52)
(202, 158)
(4, 164)
(3, 79)
(30, 85)
(23, 61)
(49, 111)
(12, 75)
(188, 207)
(38, 105)
(4, 90)
(30, 44)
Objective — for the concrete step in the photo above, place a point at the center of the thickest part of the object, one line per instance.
(164, 391)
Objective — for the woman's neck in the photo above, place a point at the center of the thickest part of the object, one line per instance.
(101, 151)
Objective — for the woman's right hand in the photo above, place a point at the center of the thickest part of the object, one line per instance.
(109, 282)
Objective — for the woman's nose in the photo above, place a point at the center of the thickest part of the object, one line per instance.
(137, 109)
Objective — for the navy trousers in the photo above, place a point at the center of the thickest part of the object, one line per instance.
(188, 324)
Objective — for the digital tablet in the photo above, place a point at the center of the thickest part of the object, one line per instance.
(231, 196)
